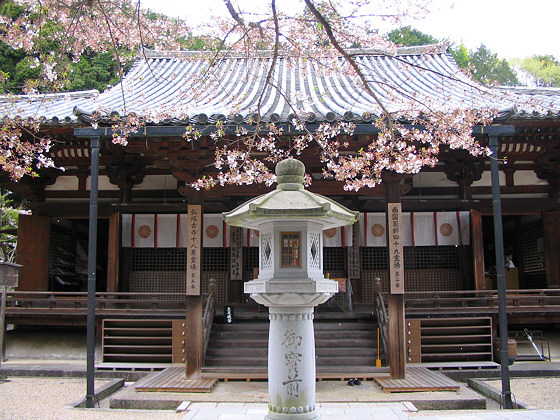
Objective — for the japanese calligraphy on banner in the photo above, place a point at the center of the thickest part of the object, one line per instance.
(395, 242)
(194, 245)
(236, 249)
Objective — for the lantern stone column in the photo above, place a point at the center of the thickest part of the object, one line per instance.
(291, 343)
(290, 221)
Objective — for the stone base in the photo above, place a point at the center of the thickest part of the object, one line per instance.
(310, 415)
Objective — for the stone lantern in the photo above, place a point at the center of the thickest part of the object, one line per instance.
(290, 221)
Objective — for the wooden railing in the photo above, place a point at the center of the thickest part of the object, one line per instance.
(472, 302)
(209, 311)
(106, 303)
(174, 304)
(381, 313)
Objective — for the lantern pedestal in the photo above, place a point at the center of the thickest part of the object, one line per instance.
(290, 221)
(291, 343)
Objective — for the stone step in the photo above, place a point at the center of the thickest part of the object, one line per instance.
(263, 351)
(319, 335)
(263, 361)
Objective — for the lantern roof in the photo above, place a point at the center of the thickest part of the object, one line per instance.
(290, 201)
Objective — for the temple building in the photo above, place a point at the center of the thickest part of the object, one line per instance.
(144, 198)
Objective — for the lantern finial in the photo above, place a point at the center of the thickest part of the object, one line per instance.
(289, 174)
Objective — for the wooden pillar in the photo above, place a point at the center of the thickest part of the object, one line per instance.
(477, 239)
(551, 227)
(195, 331)
(34, 234)
(113, 249)
(396, 333)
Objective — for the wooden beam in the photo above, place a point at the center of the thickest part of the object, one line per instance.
(33, 252)
(397, 333)
(194, 327)
(477, 244)
(397, 343)
(113, 248)
(195, 337)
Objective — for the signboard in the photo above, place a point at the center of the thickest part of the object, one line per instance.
(395, 242)
(194, 248)
(354, 253)
(236, 248)
(9, 274)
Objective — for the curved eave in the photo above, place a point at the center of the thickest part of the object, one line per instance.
(258, 210)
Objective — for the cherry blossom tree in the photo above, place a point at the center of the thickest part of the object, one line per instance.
(329, 34)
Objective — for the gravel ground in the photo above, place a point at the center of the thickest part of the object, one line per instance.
(541, 393)
(47, 399)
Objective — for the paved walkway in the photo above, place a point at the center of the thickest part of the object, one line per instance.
(354, 411)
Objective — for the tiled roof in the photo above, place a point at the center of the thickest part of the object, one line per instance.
(190, 87)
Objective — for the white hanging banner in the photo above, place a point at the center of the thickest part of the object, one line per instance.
(183, 225)
(423, 229)
(144, 230)
(417, 229)
(126, 230)
(348, 239)
(447, 228)
(406, 229)
(340, 237)
(250, 238)
(465, 227)
(215, 234)
(166, 228)
(373, 228)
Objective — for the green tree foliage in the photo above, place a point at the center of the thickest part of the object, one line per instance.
(461, 55)
(544, 68)
(93, 70)
(488, 69)
(483, 65)
(409, 37)
(9, 214)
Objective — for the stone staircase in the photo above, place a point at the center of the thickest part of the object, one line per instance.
(345, 345)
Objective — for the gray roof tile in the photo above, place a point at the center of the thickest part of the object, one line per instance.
(185, 87)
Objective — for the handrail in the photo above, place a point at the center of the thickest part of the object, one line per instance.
(75, 303)
(171, 304)
(519, 300)
(209, 312)
(381, 313)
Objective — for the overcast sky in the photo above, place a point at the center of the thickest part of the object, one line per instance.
(510, 28)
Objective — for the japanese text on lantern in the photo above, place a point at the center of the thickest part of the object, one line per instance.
(395, 239)
(292, 357)
(193, 249)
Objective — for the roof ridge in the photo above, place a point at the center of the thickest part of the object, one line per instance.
(57, 95)
(413, 50)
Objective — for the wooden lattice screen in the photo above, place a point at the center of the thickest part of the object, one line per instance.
(426, 268)
(533, 264)
(163, 270)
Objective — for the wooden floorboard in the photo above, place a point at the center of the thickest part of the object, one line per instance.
(417, 379)
(173, 379)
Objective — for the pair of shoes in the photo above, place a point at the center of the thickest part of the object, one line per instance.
(354, 381)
